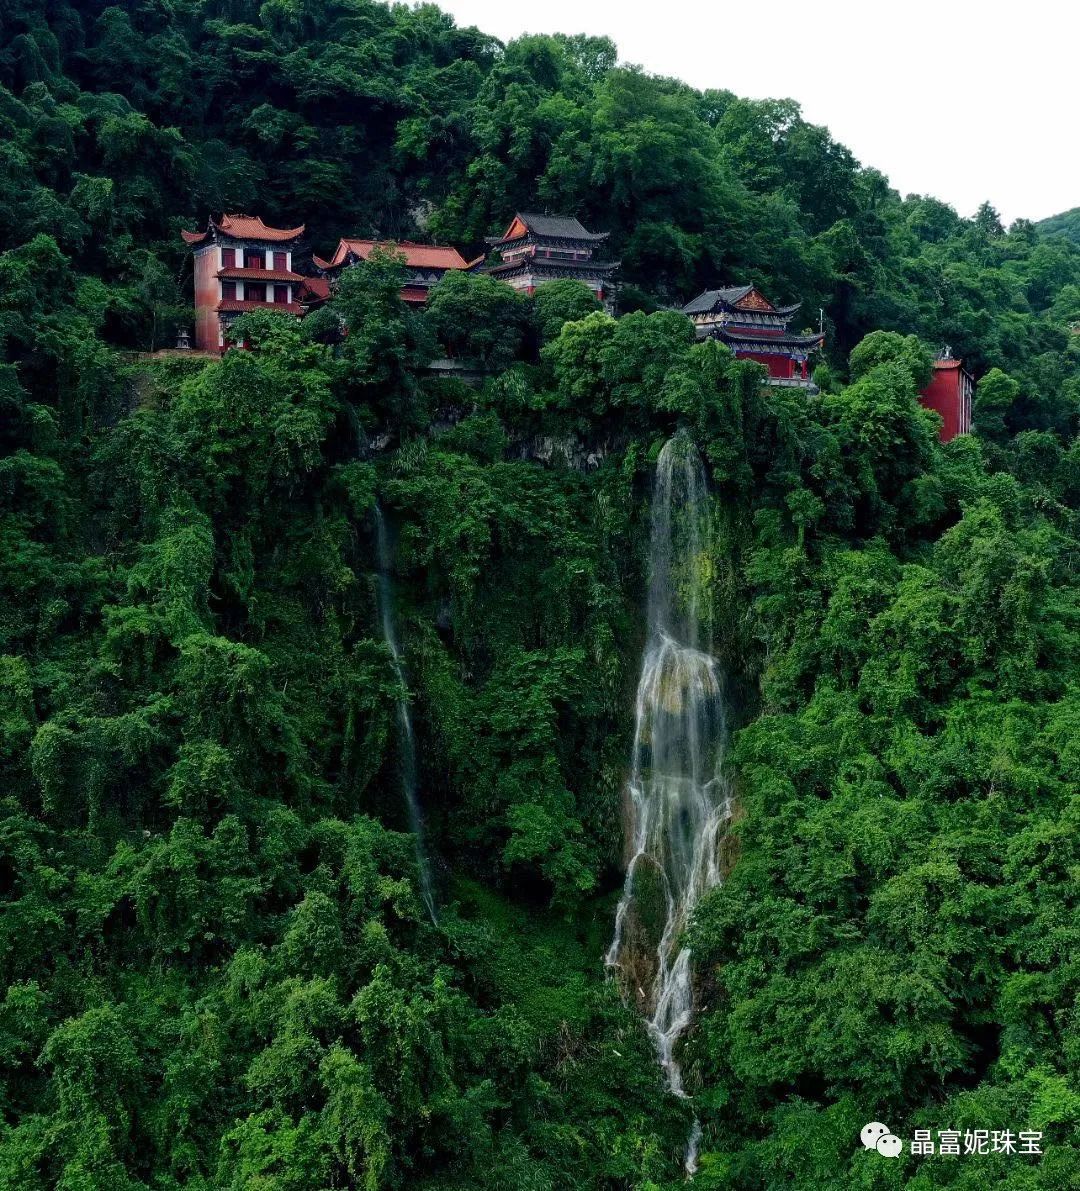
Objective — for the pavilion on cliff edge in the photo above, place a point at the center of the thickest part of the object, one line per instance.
(425, 264)
(743, 318)
(950, 394)
(242, 264)
(539, 248)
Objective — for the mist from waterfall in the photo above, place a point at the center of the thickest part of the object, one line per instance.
(679, 800)
(406, 737)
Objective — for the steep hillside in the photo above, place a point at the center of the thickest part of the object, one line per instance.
(1066, 224)
(251, 608)
(124, 122)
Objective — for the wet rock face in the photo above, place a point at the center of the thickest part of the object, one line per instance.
(679, 798)
(406, 737)
(568, 451)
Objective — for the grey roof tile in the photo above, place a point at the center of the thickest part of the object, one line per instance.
(563, 227)
(706, 301)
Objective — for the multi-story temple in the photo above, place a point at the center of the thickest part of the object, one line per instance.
(243, 264)
(743, 318)
(240, 265)
(425, 264)
(539, 248)
(949, 394)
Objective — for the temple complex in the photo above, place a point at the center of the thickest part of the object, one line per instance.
(538, 248)
(949, 394)
(743, 318)
(241, 264)
(425, 264)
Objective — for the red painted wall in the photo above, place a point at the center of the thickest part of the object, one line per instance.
(206, 299)
(949, 393)
(779, 366)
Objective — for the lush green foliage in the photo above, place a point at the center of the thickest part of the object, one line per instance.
(1065, 224)
(215, 968)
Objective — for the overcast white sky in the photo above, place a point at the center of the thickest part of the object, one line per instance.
(963, 99)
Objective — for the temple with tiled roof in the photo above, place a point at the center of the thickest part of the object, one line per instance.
(539, 248)
(755, 329)
(425, 264)
(241, 264)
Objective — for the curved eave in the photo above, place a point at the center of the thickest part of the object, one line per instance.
(241, 274)
(246, 227)
(767, 343)
(539, 265)
(238, 306)
(533, 238)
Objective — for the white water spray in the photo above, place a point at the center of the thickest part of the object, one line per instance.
(679, 799)
(406, 739)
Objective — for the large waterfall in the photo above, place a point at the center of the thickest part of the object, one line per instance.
(678, 797)
(406, 738)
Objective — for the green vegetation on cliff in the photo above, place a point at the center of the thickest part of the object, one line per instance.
(216, 970)
(1066, 224)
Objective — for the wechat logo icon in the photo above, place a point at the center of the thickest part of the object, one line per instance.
(876, 1136)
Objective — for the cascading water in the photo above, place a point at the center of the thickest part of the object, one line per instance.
(679, 799)
(406, 739)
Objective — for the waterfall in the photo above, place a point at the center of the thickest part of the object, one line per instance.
(406, 738)
(678, 796)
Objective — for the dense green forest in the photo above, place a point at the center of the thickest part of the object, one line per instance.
(1065, 224)
(217, 970)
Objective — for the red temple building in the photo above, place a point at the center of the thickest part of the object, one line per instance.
(539, 248)
(949, 394)
(425, 264)
(743, 318)
(241, 264)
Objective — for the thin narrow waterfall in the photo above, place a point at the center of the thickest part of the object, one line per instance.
(678, 800)
(406, 738)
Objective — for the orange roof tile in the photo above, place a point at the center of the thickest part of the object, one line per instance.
(251, 227)
(232, 306)
(419, 256)
(243, 227)
(239, 274)
(315, 288)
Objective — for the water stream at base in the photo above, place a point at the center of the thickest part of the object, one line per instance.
(679, 800)
(406, 738)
